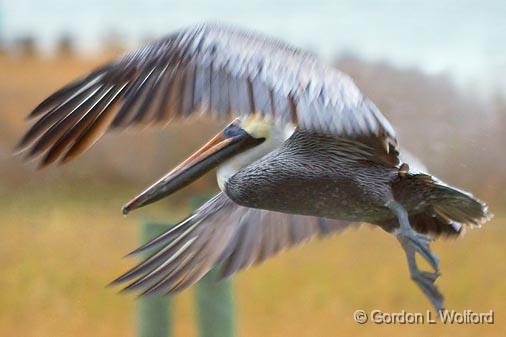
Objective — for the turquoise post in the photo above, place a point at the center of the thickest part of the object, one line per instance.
(154, 312)
(214, 301)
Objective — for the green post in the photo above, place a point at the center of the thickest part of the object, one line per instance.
(215, 306)
(214, 301)
(154, 314)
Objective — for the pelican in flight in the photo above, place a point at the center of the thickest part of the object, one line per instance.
(304, 155)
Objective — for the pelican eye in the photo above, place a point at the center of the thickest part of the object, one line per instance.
(233, 130)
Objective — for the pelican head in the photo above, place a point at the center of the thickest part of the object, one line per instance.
(239, 144)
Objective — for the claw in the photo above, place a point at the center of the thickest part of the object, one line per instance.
(425, 281)
(430, 276)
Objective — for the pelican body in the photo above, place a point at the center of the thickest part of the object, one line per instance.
(310, 174)
(308, 155)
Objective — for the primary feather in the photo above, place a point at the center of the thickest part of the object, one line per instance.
(212, 69)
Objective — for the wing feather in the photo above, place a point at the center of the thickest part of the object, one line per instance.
(218, 70)
(219, 233)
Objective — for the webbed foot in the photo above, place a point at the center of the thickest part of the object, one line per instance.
(413, 242)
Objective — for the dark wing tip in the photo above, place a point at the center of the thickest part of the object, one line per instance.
(19, 148)
(46, 104)
(24, 142)
(66, 91)
(39, 109)
(132, 273)
(135, 252)
(120, 279)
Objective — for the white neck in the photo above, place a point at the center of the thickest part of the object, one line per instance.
(277, 135)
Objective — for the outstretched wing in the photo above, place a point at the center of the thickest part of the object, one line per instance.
(220, 233)
(211, 69)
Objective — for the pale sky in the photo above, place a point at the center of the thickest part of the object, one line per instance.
(466, 39)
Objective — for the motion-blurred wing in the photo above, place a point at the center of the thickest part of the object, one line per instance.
(211, 69)
(220, 233)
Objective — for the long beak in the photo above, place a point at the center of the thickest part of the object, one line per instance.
(214, 152)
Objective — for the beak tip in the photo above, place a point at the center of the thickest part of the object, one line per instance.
(125, 209)
(131, 205)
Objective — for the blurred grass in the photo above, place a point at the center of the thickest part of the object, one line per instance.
(57, 256)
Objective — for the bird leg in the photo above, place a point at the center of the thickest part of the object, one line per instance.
(413, 242)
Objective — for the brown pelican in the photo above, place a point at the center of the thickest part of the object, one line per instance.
(307, 156)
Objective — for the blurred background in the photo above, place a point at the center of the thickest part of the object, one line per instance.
(435, 68)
